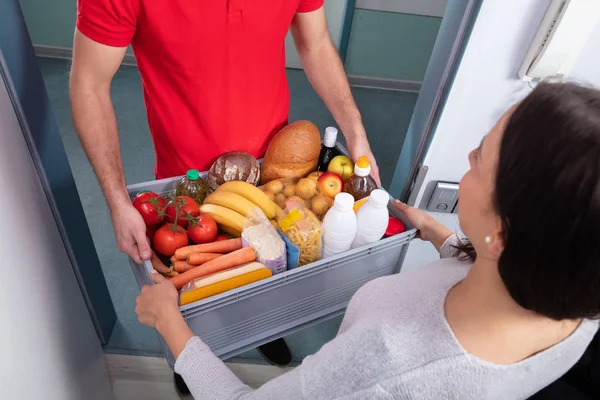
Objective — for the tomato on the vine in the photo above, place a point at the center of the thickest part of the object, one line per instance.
(150, 230)
(150, 206)
(220, 237)
(202, 230)
(169, 238)
(184, 207)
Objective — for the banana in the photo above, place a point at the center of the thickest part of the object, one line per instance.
(230, 231)
(252, 193)
(232, 201)
(224, 217)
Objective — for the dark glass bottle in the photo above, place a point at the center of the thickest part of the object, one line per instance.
(328, 149)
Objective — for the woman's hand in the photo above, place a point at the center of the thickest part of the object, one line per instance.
(429, 229)
(158, 302)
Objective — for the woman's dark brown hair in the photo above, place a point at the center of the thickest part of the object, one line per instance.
(547, 194)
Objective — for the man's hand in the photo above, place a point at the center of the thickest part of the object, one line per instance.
(360, 147)
(130, 232)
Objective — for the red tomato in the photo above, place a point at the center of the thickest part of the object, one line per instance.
(202, 230)
(187, 208)
(149, 205)
(150, 231)
(169, 238)
(395, 227)
(221, 237)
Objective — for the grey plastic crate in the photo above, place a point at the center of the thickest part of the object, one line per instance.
(247, 317)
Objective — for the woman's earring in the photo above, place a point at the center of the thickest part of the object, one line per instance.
(488, 239)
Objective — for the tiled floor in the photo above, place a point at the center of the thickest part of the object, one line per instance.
(386, 117)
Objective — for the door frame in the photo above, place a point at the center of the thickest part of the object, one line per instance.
(20, 72)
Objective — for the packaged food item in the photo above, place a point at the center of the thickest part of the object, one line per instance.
(193, 185)
(303, 229)
(361, 183)
(260, 234)
(221, 282)
(305, 192)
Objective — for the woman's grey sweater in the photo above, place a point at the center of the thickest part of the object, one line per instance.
(394, 343)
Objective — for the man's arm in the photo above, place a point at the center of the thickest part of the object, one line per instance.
(94, 66)
(326, 74)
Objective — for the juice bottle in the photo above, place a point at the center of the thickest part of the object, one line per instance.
(328, 150)
(360, 184)
(194, 186)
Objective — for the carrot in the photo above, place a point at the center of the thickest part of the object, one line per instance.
(200, 258)
(227, 261)
(223, 246)
(158, 265)
(182, 266)
(172, 274)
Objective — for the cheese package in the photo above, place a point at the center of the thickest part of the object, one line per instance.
(221, 282)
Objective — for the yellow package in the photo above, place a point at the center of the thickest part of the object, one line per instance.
(304, 230)
(304, 191)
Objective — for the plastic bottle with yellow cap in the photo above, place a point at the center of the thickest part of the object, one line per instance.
(360, 184)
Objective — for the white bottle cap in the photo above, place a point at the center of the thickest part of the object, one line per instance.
(379, 198)
(330, 137)
(362, 167)
(344, 201)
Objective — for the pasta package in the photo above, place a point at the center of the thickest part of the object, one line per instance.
(303, 229)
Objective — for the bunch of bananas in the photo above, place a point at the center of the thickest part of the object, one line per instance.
(232, 202)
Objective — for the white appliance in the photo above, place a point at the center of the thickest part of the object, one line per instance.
(561, 37)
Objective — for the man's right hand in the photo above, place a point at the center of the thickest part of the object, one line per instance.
(130, 232)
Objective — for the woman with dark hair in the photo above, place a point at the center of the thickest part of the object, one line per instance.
(503, 314)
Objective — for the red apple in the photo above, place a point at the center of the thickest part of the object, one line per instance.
(330, 184)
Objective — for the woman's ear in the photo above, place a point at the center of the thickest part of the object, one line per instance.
(496, 244)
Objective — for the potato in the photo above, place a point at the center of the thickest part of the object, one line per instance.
(320, 205)
(270, 195)
(274, 187)
(289, 191)
(280, 200)
(306, 188)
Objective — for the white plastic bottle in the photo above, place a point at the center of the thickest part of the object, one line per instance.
(372, 218)
(339, 226)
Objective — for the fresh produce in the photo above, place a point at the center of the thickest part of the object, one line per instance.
(220, 237)
(225, 217)
(395, 227)
(202, 229)
(182, 266)
(168, 238)
(223, 281)
(196, 259)
(330, 184)
(230, 232)
(304, 191)
(192, 185)
(158, 265)
(252, 193)
(341, 165)
(232, 201)
(293, 152)
(149, 205)
(182, 208)
(227, 261)
(150, 231)
(222, 247)
(315, 175)
(234, 166)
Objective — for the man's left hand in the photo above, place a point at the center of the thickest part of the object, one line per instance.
(360, 147)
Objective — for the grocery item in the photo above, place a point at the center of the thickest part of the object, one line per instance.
(150, 205)
(158, 265)
(225, 217)
(339, 226)
(221, 246)
(330, 184)
(304, 191)
(373, 218)
(230, 200)
(168, 238)
(395, 227)
(342, 165)
(359, 204)
(315, 175)
(293, 152)
(181, 210)
(304, 230)
(202, 229)
(223, 281)
(196, 259)
(328, 150)
(253, 194)
(263, 238)
(233, 166)
(226, 261)
(360, 184)
(192, 185)
(182, 266)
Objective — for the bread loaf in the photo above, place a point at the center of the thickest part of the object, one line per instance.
(233, 166)
(293, 152)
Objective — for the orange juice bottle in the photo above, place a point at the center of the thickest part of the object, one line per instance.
(361, 183)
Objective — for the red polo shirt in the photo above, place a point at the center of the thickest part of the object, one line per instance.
(213, 71)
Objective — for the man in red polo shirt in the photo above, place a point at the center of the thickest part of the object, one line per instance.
(214, 81)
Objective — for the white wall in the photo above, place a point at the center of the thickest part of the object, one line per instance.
(48, 346)
(485, 86)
